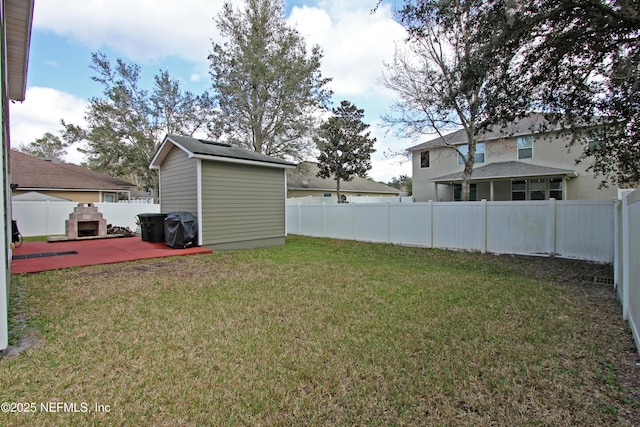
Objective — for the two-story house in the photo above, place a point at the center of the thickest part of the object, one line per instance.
(518, 162)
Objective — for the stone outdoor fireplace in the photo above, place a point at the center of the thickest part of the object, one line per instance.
(85, 222)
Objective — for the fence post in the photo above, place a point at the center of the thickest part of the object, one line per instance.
(47, 223)
(616, 243)
(388, 222)
(431, 223)
(483, 243)
(551, 228)
(625, 257)
(324, 219)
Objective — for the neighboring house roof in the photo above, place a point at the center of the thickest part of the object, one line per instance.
(29, 172)
(307, 179)
(511, 169)
(529, 125)
(212, 150)
(18, 19)
(34, 196)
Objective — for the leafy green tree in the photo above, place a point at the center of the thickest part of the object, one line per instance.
(449, 75)
(269, 89)
(403, 182)
(48, 146)
(579, 61)
(127, 124)
(345, 145)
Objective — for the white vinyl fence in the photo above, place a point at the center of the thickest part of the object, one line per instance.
(137, 201)
(46, 218)
(351, 199)
(565, 228)
(626, 265)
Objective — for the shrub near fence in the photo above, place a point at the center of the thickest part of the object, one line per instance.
(565, 228)
(48, 218)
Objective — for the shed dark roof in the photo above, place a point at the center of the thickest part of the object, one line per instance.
(33, 172)
(510, 169)
(307, 179)
(214, 150)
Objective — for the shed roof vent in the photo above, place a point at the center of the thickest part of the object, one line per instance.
(219, 144)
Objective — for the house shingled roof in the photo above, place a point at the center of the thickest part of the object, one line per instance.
(307, 179)
(528, 125)
(30, 172)
(510, 169)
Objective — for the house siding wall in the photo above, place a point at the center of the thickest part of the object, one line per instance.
(548, 150)
(243, 206)
(5, 201)
(74, 196)
(178, 183)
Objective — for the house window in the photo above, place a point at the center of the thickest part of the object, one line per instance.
(109, 198)
(525, 147)
(457, 192)
(480, 152)
(537, 189)
(555, 188)
(464, 149)
(518, 190)
(595, 140)
(327, 194)
(424, 159)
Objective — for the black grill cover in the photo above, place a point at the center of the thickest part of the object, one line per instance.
(180, 230)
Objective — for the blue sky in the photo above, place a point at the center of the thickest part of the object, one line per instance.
(176, 36)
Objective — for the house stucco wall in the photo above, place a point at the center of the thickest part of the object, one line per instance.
(178, 183)
(549, 150)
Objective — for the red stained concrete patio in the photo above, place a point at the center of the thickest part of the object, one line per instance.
(90, 252)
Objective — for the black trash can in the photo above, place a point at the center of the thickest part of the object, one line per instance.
(152, 227)
(180, 230)
(15, 233)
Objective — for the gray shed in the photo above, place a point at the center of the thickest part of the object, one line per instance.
(238, 196)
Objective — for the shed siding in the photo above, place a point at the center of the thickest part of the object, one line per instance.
(178, 183)
(241, 203)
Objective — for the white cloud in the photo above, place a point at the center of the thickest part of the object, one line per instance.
(41, 112)
(384, 169)
(388, 161)
(354, 41)
(141, 30)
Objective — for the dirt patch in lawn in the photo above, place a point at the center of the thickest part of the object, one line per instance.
(29, 341)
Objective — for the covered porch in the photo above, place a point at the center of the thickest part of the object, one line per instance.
(503, 181)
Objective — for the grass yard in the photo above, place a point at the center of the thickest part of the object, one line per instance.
(323, 332)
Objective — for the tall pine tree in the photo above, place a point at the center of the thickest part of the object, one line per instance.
(345, 145)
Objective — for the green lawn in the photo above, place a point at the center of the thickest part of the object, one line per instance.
(321, 332)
